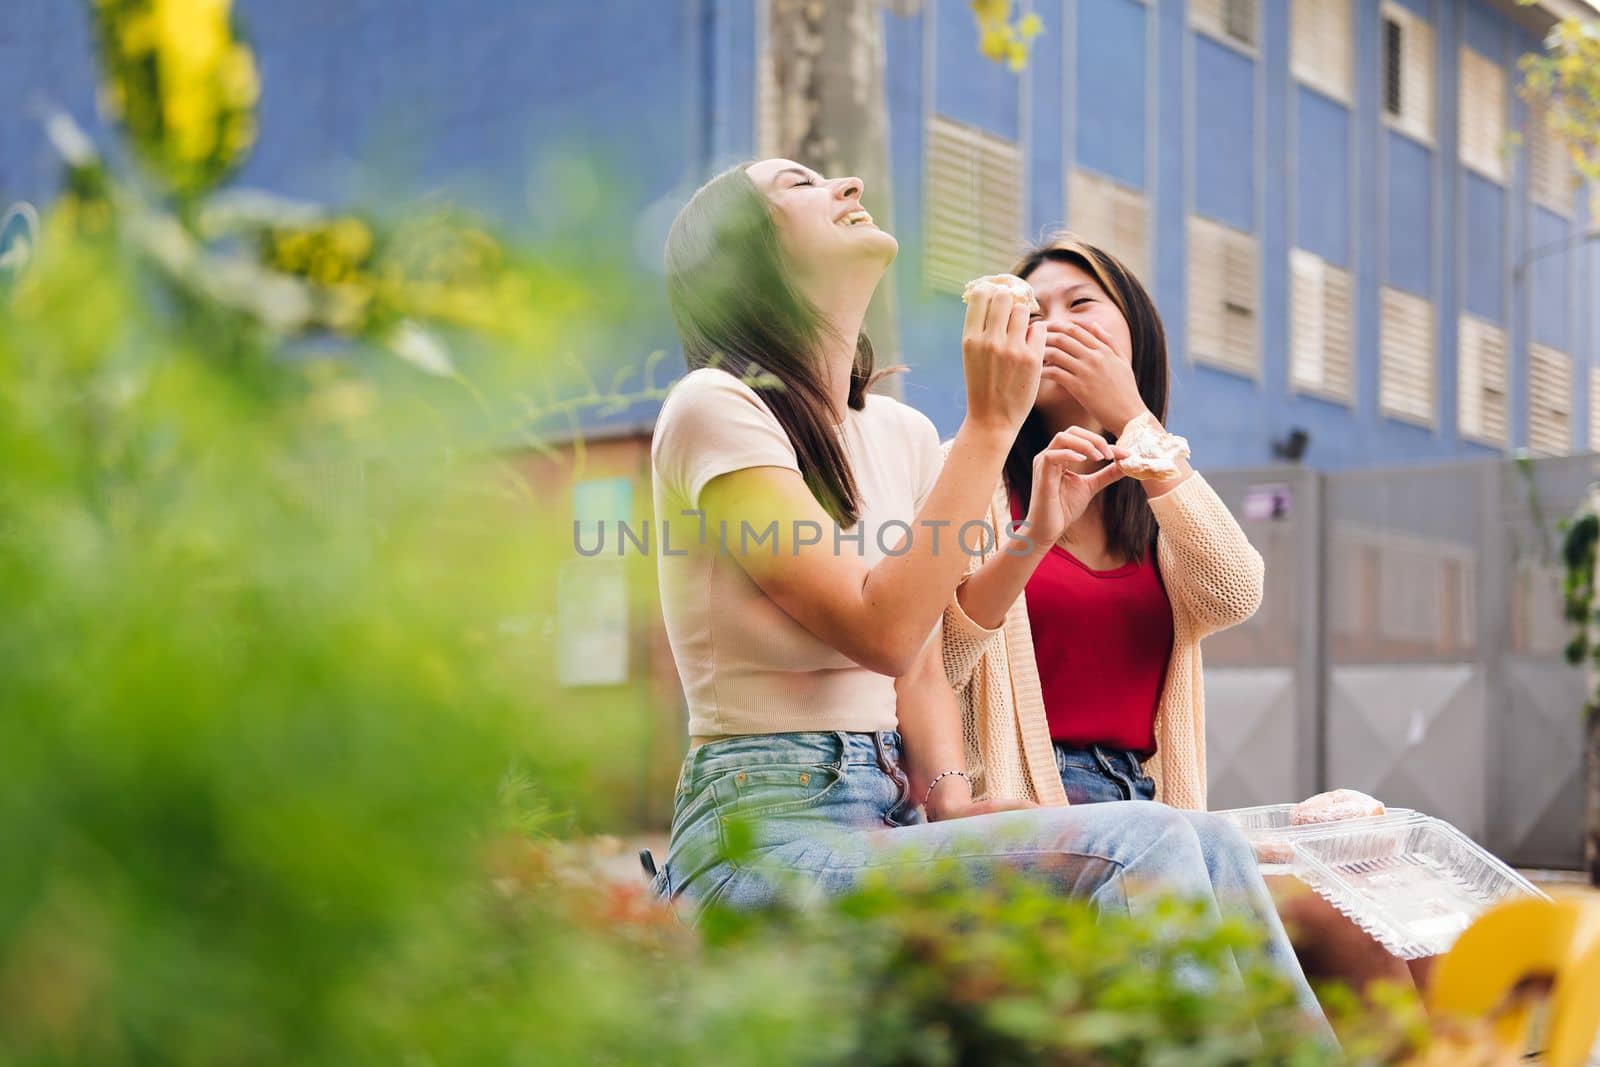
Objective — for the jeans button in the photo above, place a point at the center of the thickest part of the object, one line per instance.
(805, 779)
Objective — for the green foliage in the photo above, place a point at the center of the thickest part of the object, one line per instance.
(258, 706)
(941, 973)
(1564, 82)
(1581, 539)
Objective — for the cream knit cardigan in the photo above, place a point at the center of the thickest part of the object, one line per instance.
(1213, 577)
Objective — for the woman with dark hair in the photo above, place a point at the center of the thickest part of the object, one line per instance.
(803, 575)
(1078, 661)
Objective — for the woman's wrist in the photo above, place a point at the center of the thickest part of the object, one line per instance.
(1138, 414)
(986, 435)
(947, 792)
(1038, 540)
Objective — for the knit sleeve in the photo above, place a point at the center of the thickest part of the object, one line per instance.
(966, 642)
(1208, 564)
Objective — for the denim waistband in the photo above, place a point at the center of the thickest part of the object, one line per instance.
(837, 749)
(1099, 758)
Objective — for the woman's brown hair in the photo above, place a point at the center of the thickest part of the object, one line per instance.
(737, 310)
(1130, 526)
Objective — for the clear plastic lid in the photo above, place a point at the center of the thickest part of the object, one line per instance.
(1267, 828)
(1413, 883)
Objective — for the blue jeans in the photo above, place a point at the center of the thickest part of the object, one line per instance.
(760, 817)
(1095, 774)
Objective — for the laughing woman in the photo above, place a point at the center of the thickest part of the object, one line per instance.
(1079, 660)
(1077, 663)
(806, 585)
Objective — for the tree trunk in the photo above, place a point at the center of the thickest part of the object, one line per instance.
(829, 112)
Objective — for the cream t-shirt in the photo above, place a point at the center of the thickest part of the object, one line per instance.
(747, 667)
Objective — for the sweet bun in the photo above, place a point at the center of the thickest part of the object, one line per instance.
(1153, 452)
(1333, 806)
(1020, 291)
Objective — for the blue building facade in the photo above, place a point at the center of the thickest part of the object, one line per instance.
(1320, 194)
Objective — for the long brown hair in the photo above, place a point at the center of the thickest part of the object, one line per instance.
(737, 310)
(1130, 525)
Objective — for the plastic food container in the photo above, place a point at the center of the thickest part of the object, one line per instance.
(1267, 828)
(1413, 883)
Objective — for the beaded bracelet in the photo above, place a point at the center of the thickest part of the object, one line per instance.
(942, 775)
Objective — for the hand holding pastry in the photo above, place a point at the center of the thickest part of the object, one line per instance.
(1153, 453)
(1002, 352)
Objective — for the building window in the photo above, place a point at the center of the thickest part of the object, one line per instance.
(1483, 116)
(1550, 177)
(1408, 73)
(1319, 332)
(1405, 357)
(972, 202)
(1233, 21)
(1111, 215)
(1222, 297)
(1594, 409)
(1481, 389)
(1320, 46)
(1549, 401)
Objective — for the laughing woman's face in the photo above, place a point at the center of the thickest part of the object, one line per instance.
(1069, 294)
(820, 221)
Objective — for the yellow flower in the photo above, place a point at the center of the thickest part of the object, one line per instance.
(241, 86)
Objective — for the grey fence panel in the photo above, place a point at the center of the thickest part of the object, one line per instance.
(1406, 709)
(1536, 768)
(1262, 736)
(1409, 645)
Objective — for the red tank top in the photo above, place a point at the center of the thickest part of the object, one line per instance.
(1102, 640)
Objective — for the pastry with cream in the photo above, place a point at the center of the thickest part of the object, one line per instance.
(1333, 806)
(1020, 291)
(1153, 452)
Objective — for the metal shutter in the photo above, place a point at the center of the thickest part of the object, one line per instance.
(1320, 33)
(1408, 72)
(1319, 329)
(972, 197)
(1222, 297)
(1549, 401)
(1594, 409)
(1113, 216)
(1481, 389)
(1405, 357)
(1549, 165)
(1483, 115)
(1233, 20)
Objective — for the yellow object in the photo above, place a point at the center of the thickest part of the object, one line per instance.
(1517, 955)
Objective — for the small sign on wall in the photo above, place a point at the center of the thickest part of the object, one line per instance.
(1267, 503)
